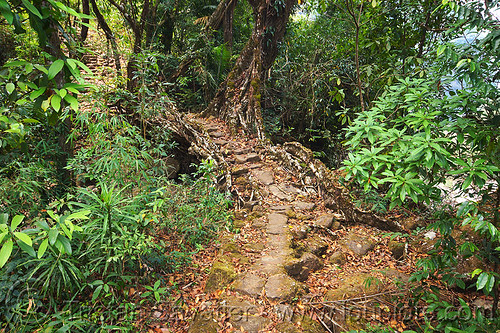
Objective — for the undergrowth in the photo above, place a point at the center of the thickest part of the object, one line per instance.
(124, 224)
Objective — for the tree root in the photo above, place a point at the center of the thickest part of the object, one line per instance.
(301, 160)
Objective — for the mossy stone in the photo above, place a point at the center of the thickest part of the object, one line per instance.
(203, 323)
(221, 274)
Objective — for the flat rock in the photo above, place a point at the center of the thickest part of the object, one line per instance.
(281, 287)
(301, 205)
(289, 189)
(281, 208)
(221, 274)
(241, 151)
(239, 170)
(251, 285)
(264, 176)
(354, 285)
(269, 265)
(243, 314)
(302, 267)
(203, 322)
(252, 157)
(358, 244)
(221, 142)
(278, 193)
(254, 247)
(276, 224)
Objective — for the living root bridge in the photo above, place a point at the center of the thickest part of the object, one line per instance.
(292, 155)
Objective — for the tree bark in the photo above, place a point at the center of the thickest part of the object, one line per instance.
(238, 100)
(85, 30)
(228, 25)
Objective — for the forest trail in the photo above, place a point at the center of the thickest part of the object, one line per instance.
(292, 263)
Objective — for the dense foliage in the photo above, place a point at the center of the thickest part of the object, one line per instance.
(403, 94)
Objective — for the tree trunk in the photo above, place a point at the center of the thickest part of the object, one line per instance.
(228, 25)
(85, 29)
(238, 100)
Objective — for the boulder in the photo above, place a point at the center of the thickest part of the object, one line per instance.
(358, 244)
(337, 258)
(325, 221)
(301, 268)
(221, 274)
(316, 245)
(356, 285)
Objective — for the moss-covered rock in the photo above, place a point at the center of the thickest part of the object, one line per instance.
(287, 327)
(308, 324)
(221, 274)
(203, 323)
(354, 286)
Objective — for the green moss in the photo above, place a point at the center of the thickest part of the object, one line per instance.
(308, 324)
(203, 323)
(221, 274)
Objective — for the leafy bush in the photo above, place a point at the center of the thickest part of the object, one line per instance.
(424, 132)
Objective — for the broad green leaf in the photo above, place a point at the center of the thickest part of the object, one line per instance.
(82, 215)
(96, 293)
(16, 220)
(41, 68)
(73, 102)
(441, 49)
(31, 8)
(23, 238)
(62, 92)
(26, 248)
(55, 68)
(53, 215)
(45, 104)
(2, 235)
(53, 233)
(482, 280)
(5, 252)
(6, 11)
(66, 244)
(55, 102)
(43, 248)
(9, 87)
(37, 93)
(490, 284)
